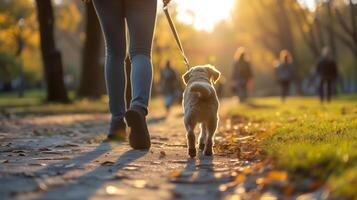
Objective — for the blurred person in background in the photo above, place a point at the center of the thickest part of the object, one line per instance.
(284, 73)
(242, 74)
(326, 71)
(169, 85)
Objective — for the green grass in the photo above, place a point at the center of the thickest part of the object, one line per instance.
(310, 140)
(34, 103)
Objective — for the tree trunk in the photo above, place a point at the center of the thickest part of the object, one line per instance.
(287, 41)
(51, 57)
(92, 84)
(331, 31)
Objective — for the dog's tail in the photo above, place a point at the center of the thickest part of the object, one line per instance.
(203, 91)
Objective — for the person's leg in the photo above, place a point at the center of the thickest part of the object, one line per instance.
(282, 91)
(169, 100)
(321, 90)
(112, 21)
(286, 86)
(244, 92)
(329, 89)
(140, 16)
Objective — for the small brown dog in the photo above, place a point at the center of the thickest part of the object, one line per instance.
(201, 105)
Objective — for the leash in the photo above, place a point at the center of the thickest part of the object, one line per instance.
(177, 38)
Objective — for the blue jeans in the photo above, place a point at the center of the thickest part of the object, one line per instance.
(140, 16)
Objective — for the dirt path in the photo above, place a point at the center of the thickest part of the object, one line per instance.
(62, 157)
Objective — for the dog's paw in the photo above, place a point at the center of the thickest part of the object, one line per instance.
(201, 146)
(208, 152)
(192, 152)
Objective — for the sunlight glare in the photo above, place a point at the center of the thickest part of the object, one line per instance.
(204, 14)
(310, 4)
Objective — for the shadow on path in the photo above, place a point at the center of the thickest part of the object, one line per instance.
(26, 182)
(197, 180)
(86, 185)
(79, 161)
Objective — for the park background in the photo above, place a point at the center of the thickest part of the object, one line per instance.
(51, 139)
(210, 33)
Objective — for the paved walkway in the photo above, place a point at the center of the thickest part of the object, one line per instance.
(63, 157)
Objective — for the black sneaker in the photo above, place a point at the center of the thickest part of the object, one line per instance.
(117, 131)
(139, 137)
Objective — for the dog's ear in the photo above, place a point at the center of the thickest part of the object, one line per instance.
(186, 77)
(213, 73)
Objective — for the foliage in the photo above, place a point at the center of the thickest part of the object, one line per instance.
(9, 67)
(260, 26)
(19, 39)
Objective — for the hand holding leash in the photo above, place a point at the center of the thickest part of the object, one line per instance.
(166, 2)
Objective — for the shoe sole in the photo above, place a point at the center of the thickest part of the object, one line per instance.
(139, 137)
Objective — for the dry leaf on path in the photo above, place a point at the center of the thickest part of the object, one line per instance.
(107, 163)
(175, 174)
(56, 158)
(239, 179)
(162, 154)
(264, 134)
(277, 176)
(130, 168)
(37, 164)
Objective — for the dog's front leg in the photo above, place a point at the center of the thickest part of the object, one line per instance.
(190, 127)
(211, 128)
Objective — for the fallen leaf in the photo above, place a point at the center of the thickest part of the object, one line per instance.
(18, 151)
(70, 165)
(44, 149)
(52, 152)
(179, 161)
(175, 174)
(263, 134)
(277, 175)
(239, 179)
(156, 162)
(131, 168)
(245, 138)
(107, 163)
(162, 154)
(41, 186)
(66, 145)
(56, 158)
(37, 164)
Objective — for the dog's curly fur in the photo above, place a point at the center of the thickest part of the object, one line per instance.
(200, 105)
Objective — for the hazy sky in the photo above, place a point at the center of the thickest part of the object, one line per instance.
(205, 14)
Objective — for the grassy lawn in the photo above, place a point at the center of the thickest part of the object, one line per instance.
(309, 140)
(34, 103)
